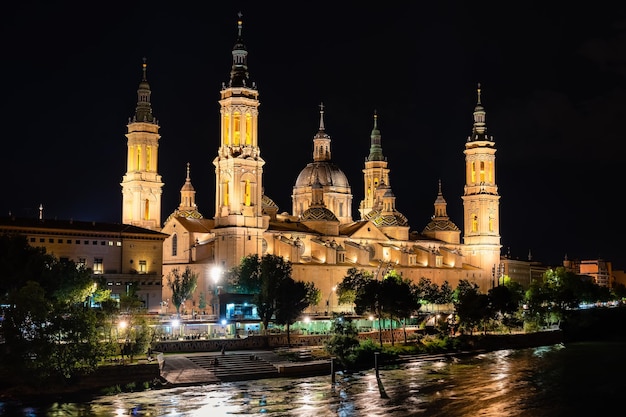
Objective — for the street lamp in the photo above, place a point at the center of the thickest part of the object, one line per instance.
(216, 273)
(332, 290)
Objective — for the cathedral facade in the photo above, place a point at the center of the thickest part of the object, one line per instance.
(319, 237)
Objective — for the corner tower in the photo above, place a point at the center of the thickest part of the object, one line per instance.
(481, 199)
(142, 185)
(239, 220)
(375, 172)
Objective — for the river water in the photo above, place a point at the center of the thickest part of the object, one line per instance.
(578, 379)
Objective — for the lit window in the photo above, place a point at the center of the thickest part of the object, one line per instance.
(97, 266)
(142, 267)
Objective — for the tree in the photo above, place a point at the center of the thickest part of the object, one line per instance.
(202, 301)
(366, 293)
(262, 277)
(293, 298)
(182, 286)
(471, 306)
(130, 302)
(344, 339)
(400, 300)
(351, 284)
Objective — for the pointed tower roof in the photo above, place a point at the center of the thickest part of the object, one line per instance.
(440, 220)
(376, 149)
(321, 141)
(239, 76)
(479, 130)
(143, 111)
(187, 187)
(187, 207)
(322, 169)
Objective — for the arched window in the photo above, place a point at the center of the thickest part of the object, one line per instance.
(225, 139)
(248, 129)
(147, 210)
(236, 129)
(247, 198)
(225, 193)
(174, 245)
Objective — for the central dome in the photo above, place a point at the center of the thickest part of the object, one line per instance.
(323, 176)
(327, 173)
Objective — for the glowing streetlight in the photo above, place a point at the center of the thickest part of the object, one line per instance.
(332, 290)
(216, 274)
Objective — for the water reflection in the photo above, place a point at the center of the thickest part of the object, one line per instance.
(538, 382)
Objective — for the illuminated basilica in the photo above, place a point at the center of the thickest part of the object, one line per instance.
(319, 237)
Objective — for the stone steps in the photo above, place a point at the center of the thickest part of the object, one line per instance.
(239, 366)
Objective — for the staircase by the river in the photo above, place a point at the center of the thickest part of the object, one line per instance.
(239, 366)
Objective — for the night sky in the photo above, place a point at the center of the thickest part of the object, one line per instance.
(552, 77)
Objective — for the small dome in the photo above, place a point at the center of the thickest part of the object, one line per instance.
(440, 225)
(317, 214)
(268, 202)
(389, 219)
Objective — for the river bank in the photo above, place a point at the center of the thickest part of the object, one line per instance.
(593, 324)
(143, 375)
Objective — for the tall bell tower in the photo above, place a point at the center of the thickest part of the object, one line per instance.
(239, 220)
(142, 185)
(481, 199)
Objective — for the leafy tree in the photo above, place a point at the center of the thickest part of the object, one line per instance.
(76, 346)
(365, 292)
(471, 306)
(502, 303)
(445, 293)
(344, 340)
(263, 277)
(130, 301)
(351, 284)
(20, 263)
(202, 301)
(182, 286)
(618, 291)
(400, 300)
(293, 298)
(136, 335)
(427, 291)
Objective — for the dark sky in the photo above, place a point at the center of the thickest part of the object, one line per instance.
(552, 76)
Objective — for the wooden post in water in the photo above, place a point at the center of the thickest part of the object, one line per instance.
(332, 369)
(376, 362)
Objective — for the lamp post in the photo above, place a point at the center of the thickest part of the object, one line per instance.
(332, 290)
(216, 273)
